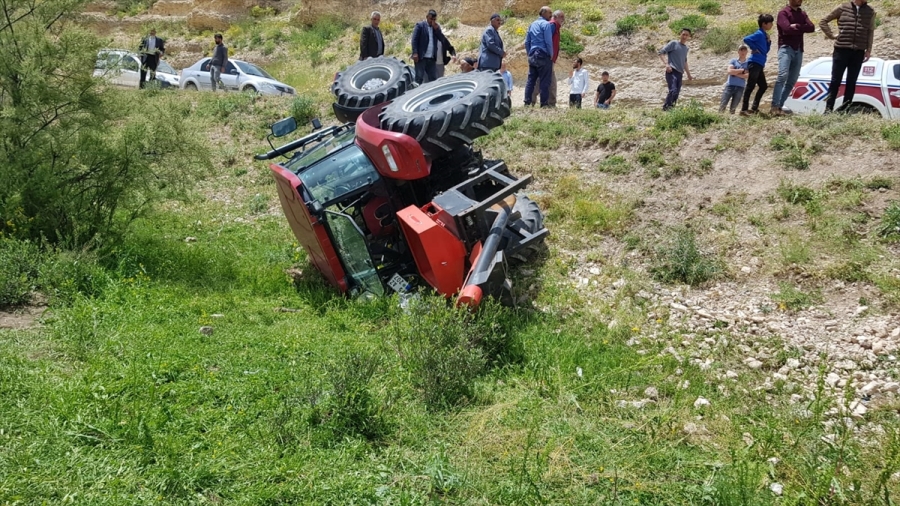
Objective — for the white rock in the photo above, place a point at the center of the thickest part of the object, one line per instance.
(895, 333)
(746, 270)
(890, 387)
(858, 409)
(870, 388)
(701, 403)
(792, 363)
(776, 488)
(651, 393)
(861, 309)
(190, 239)
(832, 379)
(878, 347)
(753, 363)
(731, 374)
(206, 330)
(579, 372)
(594, 270)
(693, 429)
(678, 307)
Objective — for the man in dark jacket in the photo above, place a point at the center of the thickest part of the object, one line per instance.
(792, 23)
(371, 43)
(424, 47)
(852, 46)
(217, 63)
(152, 48)
(492, 52)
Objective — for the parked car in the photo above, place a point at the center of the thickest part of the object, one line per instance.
(239, 76)
(877, 89)
(123, 68)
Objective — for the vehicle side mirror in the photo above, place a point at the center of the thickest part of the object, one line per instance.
(284, 127)
(233, 71)
(316, 124)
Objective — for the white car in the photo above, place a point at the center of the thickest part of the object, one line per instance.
(123, 68)
(239, 76)
(877, 88)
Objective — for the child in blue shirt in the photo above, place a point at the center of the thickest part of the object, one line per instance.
(759, 44)
(737, 80)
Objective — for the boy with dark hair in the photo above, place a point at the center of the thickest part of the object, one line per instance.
(759, 44)
(675, 57)
(606, 92)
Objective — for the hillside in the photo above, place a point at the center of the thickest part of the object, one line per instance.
(716, 319)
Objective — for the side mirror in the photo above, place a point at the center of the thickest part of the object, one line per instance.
(284, 127)
(233, 71)
(316, 124)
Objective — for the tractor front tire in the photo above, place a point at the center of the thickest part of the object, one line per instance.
(371, 82)
(531, 219)
(449, 112)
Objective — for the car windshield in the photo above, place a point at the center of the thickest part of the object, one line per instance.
(252, 70)
(165, 68)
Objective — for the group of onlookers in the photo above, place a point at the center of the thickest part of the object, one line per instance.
(745, 74)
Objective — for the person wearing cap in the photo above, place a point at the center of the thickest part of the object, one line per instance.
(468, 64)
(371, 43)
(424, 47)
(492, 52)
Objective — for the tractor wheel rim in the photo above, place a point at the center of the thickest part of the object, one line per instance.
(439, 96)
(371, 78)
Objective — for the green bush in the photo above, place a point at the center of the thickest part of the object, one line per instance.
(304, 109)
(691, 114)
(891, 133)
(890, 222)
(680, 260)
(616, 164)
(792, 194)
(19, 264)
(629, 24)
(710, 7)
(695, 22)
(592, 14)
(790, 298)
(590, 30)
(569, 44)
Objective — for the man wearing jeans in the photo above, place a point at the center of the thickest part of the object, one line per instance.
(675, 57)
(218, 62)
(852, 47)
(425, 37)
(792, 24)
(539, 48)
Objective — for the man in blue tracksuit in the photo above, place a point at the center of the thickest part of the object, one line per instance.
(759, 44)
(539, 47)
(424, 47)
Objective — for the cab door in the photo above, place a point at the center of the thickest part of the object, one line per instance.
(892, 88)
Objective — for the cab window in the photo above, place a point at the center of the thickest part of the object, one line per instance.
(129, 63)
(230, 68)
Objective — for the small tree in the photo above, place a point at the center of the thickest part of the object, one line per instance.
(77, 164)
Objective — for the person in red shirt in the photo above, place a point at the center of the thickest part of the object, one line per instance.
(792, 23)
(557, 20)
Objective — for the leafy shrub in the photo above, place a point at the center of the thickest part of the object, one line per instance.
(19, 262)
(569, 44)
(616, 164)
(592, 14)
(680, 260)
(262, 12)
(710, 7)
(345, 406)
(64, 275)
(726, 39)
(695, 22)
(656, 14)
(890, 222)
(691, 114)
(651, 157)
(795, 157)
(878, 182)
(796, 194)
(629, 24)
(891, 133)
(451, 23)
(303, 109)
(780, 142)
(590, 30)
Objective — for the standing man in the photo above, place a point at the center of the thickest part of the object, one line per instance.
(674, 56)
(578, 83)
(852, 46)
(557, 20)
(492, 52)
(539, 48)
(371, 43)
(606, 92)
(152, 48)
(792, 23)
(217, 63)
(424, 47)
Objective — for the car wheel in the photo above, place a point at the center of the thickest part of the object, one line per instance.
(856, 108)
(190, 86)
(249, 89)
(449, 112)
(371, 82)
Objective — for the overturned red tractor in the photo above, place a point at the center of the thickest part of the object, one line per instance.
(396, 198)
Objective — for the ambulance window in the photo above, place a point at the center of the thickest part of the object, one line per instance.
(897, 71)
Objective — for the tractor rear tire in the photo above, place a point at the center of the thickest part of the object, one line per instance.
(531, 219)
(371, 82)
(449, 112)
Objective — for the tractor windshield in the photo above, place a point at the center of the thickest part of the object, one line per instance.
(351, 246)
(337, 173)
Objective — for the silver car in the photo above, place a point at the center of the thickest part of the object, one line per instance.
(123, 68)
(239, 76)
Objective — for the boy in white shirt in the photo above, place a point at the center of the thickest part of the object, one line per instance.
(578, 83)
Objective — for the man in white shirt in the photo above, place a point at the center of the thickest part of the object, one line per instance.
(578, 83)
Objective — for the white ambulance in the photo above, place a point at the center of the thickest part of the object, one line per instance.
(877, 88)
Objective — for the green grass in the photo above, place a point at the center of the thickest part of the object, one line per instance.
(791, 298)
(680, 259)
